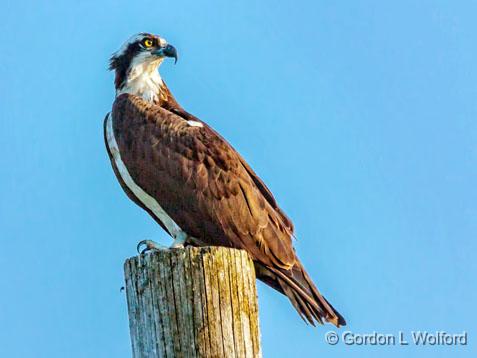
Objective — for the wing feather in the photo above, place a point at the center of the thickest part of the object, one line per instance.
(203, 184)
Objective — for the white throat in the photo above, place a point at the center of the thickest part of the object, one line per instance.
(143, 79)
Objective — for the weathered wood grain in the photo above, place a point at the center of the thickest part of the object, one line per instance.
(192, 302)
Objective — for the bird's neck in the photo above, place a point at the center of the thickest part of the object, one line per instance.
(142, 80)
(146, 82)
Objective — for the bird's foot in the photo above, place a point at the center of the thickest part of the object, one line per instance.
(176, 245)
(179, 241)
(149, 246)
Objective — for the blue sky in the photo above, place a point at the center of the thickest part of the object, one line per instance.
(360, 116)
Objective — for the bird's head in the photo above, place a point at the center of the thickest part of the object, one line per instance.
(138, 59)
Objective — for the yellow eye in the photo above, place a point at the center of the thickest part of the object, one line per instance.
(148, 42)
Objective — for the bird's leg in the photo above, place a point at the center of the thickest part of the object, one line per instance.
(150, 246)
(179, 240)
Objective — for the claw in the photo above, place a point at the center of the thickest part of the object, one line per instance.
(150, 245)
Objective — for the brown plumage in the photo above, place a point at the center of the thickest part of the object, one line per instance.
(212, 194)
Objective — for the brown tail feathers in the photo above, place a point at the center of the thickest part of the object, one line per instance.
(303, 294)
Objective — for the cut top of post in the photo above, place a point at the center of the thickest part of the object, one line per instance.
(193, 302)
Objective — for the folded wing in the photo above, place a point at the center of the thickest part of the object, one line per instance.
(201, 181)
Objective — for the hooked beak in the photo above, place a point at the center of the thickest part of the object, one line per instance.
(167, 51)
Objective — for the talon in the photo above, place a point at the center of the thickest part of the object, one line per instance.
(140, 243)
(150, 245)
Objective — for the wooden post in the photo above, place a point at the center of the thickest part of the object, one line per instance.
(192, 302)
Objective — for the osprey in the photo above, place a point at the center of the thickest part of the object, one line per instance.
(196, 186)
